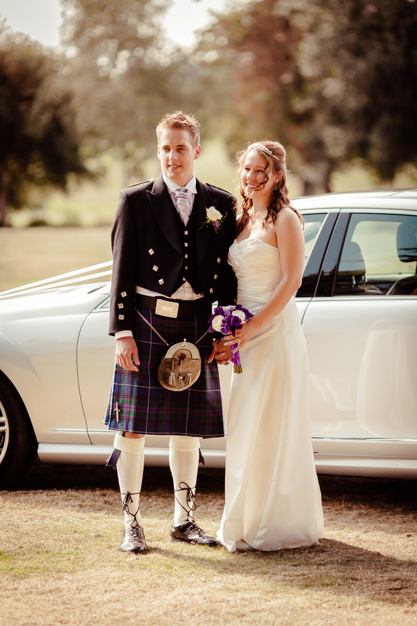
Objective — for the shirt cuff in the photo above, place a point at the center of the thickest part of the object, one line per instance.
(123, 333)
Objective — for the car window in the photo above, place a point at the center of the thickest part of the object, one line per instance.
(313, 222)
(379, 256)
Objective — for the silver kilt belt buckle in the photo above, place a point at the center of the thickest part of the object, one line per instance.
(167, 309)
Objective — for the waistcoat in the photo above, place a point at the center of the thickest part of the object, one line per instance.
(188, 235)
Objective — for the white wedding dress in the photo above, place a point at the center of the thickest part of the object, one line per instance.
(272, 495)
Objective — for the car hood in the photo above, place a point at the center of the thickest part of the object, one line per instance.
(73, 292)
(52, 301)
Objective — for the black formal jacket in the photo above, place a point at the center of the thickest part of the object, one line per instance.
(152, 248)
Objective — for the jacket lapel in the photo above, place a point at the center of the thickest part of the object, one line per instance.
(163, 209)
(203, 201)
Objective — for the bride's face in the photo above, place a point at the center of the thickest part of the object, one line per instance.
(254, 177)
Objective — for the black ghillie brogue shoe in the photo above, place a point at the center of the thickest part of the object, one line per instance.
(189, 531)
(133, 540)
(193, 534)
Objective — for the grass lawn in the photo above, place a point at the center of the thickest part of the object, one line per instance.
(31, 254)
(59, 562)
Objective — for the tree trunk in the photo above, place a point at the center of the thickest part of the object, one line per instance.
(4, 221)
(327, 178)
(308, 188)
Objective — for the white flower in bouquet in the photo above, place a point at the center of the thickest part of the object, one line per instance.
(240, 314)
(213, 214)
(217, 323)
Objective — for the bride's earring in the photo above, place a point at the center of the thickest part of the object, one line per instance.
(276, 186)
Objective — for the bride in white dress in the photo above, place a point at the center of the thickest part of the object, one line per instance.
(272, 495)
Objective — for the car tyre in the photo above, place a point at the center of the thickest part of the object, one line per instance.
(18, 445)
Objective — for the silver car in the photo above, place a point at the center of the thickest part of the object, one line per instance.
(358, 305)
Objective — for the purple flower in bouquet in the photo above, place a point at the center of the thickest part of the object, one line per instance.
(226, 320)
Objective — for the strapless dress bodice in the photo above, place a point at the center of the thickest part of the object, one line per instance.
(257, 268)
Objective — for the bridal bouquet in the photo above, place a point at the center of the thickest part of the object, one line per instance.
(226, 320)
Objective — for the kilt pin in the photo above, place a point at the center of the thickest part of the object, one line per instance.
(153, 249)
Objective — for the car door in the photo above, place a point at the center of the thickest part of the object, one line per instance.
(361, 331)
(95, 363)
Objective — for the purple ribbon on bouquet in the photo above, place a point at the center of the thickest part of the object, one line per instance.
(235, 323)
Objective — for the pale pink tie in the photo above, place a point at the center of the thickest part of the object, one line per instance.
(182, 198)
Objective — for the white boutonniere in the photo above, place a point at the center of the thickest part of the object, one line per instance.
(213, 218)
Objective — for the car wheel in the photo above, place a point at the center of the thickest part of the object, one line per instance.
(18, 443)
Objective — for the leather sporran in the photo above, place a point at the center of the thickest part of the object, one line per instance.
(180, 367)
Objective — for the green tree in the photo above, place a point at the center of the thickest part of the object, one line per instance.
(123, 72)
(331, 79)
(257, 49)
(367, 75)
(39, 141)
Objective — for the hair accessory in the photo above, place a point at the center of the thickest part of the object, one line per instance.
(260, 146)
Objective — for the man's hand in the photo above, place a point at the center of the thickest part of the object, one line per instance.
(127, 354)
(221, 353)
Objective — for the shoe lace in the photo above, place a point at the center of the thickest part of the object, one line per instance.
(194, 528)
(182, 486)
(136, 528)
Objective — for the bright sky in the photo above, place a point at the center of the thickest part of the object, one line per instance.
(41, 18)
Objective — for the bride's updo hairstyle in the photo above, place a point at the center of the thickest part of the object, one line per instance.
(275, 157)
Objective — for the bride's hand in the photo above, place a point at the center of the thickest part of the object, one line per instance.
(221, 353)
(242, 336)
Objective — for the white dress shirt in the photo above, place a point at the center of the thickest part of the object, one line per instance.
(185, 291)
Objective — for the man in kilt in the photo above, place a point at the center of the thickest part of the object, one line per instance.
(170, 242)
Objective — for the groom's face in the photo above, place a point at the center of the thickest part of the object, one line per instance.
(177, 153)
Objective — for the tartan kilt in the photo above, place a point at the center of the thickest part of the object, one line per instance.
(148, 408)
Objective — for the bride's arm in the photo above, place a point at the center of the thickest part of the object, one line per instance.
(291, 253)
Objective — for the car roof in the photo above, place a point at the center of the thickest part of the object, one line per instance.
(372, 198)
